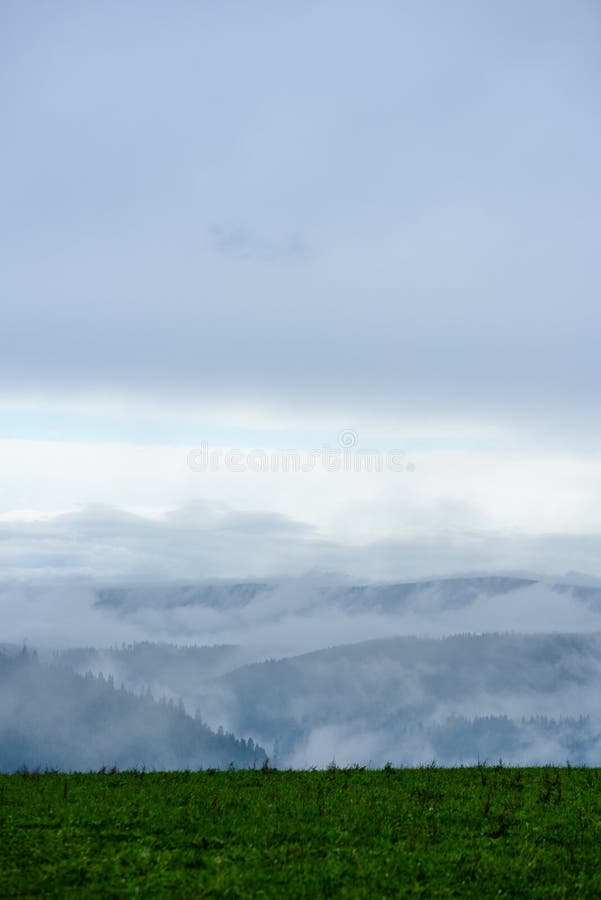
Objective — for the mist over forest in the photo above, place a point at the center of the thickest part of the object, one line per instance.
(314, 671)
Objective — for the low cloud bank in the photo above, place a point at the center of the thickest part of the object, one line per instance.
(202, 541)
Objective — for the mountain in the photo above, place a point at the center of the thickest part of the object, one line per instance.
(393, 699)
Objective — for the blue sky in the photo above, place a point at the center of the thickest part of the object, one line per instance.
(258, 224)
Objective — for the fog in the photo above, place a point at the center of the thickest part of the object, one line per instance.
(312, 668)
(480, 667)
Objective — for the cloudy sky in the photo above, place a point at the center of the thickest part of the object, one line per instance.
(304, 226)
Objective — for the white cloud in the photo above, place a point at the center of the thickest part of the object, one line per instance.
(448, 493)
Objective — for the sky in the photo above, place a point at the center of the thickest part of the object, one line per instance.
(334, 226)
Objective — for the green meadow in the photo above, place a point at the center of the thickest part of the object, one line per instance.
(472, 832)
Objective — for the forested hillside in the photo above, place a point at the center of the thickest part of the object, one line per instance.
(51, 717)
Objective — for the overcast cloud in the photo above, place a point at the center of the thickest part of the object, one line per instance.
(393, 208)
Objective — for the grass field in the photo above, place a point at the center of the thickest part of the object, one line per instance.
(473, 832)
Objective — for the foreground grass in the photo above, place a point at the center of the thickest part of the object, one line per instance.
(474, 832)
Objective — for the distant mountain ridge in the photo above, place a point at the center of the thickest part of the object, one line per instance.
(456, 591)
